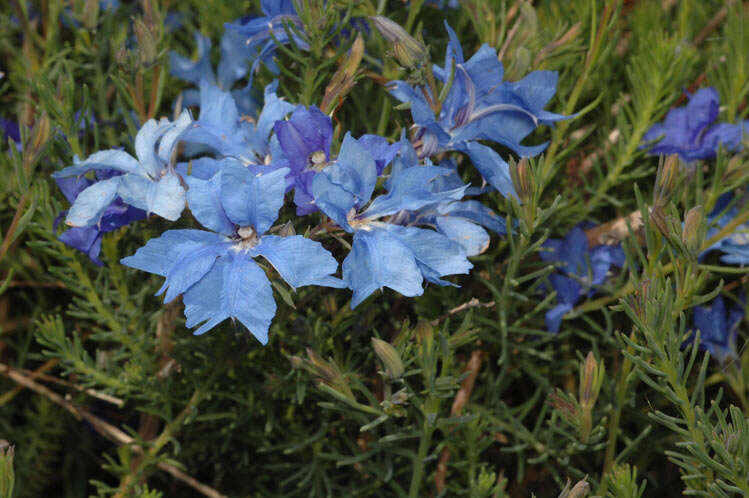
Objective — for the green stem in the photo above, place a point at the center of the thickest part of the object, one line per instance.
(418, 465)
(413, 11)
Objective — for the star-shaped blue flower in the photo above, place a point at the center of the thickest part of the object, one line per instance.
(686, 130)
(581, 269)
(215, 270)
(149, 182)
(480, 106)
(718, 327)
(384, 254)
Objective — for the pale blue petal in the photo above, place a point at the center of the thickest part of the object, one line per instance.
(91, 203)
(274, 109)
(251, 200)
(354, 170)
(118, 160)
(189, 70)
(234, 288)
(173, 134)
(145, 146)
(204, 200)
(476, 212)
(190, 268)
(166, 197)
(432, 249)
(159, 255)
(333, 200)
(378, 259)
(299, 261)
(412, 190)
(473, 238)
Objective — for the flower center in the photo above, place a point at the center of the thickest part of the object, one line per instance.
(316, 160)
(247, 238)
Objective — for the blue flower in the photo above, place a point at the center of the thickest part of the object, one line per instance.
(231, 67)
(256, 34)
(215, 270)
(221, 128)
(384, 254)
(480, 106)
(718, 327)
(580, 269)
(149, 182)
(305, 140)
(686, 130)
(88, 239)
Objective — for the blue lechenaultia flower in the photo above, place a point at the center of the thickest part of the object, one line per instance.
(734, 246)
(149, 182)
(384, 254)
(222, 129)
(686, 130)
(718, 327)
(215, 270)
(87, 239)
(462, 221)
(581, 269)
(305, 140)
(480, 106)
(232, 67)
(256, 35)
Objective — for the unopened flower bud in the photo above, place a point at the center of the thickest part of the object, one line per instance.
(343, 80)
(735, 170)
(408, 50)
(639, 300)
(523, 180)
(390, 358)
(666, 180)
(579, 490)
(147, 49)
(591, 379)
(424, 334)
(694, 230)
(659, 219)
(90, 13)
(328, 373)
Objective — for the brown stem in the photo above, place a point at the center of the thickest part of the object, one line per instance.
(103, 427)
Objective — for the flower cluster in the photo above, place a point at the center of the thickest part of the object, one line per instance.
(233, 165)
(400, 208)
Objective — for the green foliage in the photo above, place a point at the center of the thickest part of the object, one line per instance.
(459, 392)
